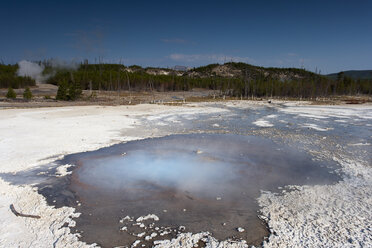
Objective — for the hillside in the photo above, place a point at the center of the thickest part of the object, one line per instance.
(231, 70)
(229, 79)
(247, 71)
(354, 74)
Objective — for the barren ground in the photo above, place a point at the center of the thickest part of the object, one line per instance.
(44, 96)
(336, 215)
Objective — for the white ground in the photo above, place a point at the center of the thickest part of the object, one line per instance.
(337, 215)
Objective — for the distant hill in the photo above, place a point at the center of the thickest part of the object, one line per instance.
(231, 70)
(354, 74)
(247, 71)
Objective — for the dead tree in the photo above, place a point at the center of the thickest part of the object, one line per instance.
(130, 93)
(18, 214)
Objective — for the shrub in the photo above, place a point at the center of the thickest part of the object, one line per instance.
(68, 91)
(11, 93)
(27, 94)
(62, 91)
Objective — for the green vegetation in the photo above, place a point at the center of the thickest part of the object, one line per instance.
(11, 93)
(206, 68)
(246, 81)
(9, 78)
(230, 79)
(68, 91)
(27, 94)
(354, 74)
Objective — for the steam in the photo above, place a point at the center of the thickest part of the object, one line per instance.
(31, 69)
(35, 70)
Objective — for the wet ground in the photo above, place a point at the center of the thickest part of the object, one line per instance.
(204, 181)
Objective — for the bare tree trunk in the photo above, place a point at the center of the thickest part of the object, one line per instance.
(272, 88)
(111, 81)
(130, 93)
(118, 79)
(72, 77)
(100, 74)
(128, 82)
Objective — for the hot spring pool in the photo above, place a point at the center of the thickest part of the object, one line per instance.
(202, 182)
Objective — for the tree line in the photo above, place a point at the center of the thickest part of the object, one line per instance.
(252, 82)
(9, 78)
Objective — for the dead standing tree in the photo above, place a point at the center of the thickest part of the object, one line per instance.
(246, 85)
(118, 84)
(151, 87)
(129, 89)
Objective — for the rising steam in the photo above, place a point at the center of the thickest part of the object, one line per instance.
(31, 69)
(35, 70)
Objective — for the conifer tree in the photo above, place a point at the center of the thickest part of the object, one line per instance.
(27, 94)
(62, 91)
(11, 93)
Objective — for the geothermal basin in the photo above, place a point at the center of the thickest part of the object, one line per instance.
(191, 183)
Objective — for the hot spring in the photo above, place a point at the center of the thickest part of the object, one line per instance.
(193, 183)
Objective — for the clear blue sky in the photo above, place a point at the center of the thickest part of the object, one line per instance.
(328, 35)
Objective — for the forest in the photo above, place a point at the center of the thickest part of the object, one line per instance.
(244, 80)
(9, 78)
(248, 81)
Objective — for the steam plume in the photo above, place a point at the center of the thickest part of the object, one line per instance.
(31, 69)
(35, 70)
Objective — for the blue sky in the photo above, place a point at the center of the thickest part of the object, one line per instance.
(328, 35)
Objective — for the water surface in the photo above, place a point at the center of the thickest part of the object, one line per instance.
(204, 182)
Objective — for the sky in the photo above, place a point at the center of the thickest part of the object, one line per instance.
(326, 36)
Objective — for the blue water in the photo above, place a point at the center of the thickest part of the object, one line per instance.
(214, 177)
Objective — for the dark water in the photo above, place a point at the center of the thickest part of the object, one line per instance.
(204, 182)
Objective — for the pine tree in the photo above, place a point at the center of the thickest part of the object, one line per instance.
(27, 94)
(11, 93)
(62, 91)
(74, 91)
(78, 90)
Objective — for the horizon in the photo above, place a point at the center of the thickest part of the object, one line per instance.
(329, 37)
(73, 65)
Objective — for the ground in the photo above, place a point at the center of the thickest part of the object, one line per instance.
(336, 215)
(44, 96)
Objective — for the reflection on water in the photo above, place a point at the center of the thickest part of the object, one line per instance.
(203, 182)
